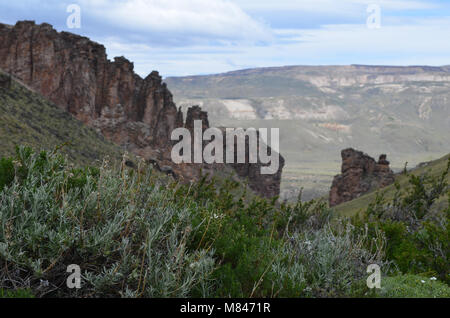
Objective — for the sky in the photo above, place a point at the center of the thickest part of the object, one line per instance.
(195, 37)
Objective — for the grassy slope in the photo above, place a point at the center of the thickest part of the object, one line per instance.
(351, 208)
(26, 118)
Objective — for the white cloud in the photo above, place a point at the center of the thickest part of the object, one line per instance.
(186, 37)
(421, 36)
(216, 20)
(419, 42)
(336, 7)
(195, 59)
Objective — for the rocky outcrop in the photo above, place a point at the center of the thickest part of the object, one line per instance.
(360, 174)
(267, 185)
(258, 182)
(74, 73)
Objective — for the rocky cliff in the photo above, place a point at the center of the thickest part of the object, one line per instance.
(360, 174)
(74, 73)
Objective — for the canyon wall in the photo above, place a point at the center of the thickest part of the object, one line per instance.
(74, 73)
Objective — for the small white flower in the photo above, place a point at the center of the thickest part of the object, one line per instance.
(433, 278)
(193, 265)
(17, 163)
(422, 281)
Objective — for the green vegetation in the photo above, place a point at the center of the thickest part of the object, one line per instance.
(409, 286)
(416, 224)
(136, 234)
(29, 119)
(19, 293)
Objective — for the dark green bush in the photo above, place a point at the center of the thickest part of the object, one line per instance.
(19, 293)
(417, 229)
(6, 172)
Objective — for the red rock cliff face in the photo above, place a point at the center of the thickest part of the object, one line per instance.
(75, 74)
(360, 174)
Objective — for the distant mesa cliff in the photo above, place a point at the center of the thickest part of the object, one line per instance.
(74, 73)
(360, 175)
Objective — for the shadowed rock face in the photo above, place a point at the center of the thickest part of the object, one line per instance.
(360, 174)
(268, 185)
(74, 73)
(258, 182)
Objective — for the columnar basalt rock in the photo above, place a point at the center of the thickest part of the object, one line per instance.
(360, 174)
(74, 73)
(267, 185)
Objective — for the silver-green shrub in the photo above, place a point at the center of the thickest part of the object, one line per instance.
(326, 262)
(124, 229)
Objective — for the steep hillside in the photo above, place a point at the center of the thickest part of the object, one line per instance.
(320, 110)
(433, 168)
(26, 118)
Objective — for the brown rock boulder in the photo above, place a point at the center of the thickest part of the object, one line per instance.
(360, 174)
